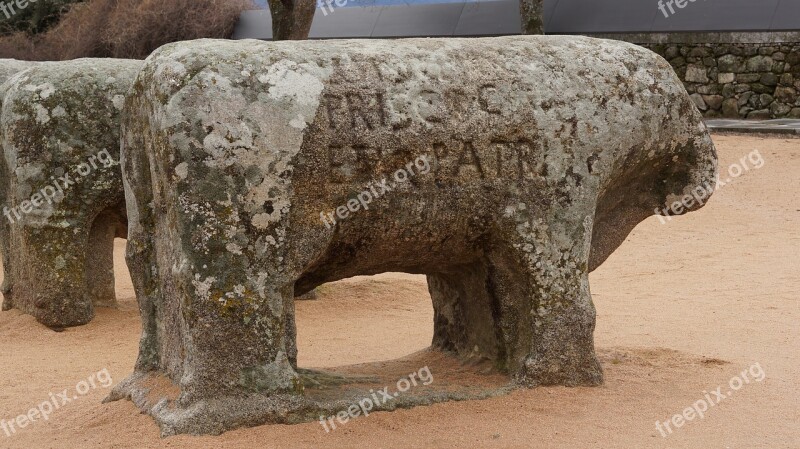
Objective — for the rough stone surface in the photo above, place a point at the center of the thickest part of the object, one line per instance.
(726, 78)
(699, 101)
(762, 114)
(696, 74)
(730, 107)
(8, 68)
(736, 70)
(713, 101)
(65, 202)
(542, 154)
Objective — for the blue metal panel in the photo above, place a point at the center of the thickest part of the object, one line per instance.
(607, 16)
(717, 15)
(489, 18)
(549, 10)
(418, 20)
(387, 18)
(254, 25)
(787, 16)
(630, 16)
(344, 22)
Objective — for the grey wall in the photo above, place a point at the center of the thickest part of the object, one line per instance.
(482, 18)
(630, 16)
(501, 17)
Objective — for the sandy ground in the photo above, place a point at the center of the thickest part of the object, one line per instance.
(683, 307)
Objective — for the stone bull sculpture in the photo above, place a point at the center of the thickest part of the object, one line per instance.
(247, 167)
(63, 203)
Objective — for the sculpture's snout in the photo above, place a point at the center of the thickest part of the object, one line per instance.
(696, 175)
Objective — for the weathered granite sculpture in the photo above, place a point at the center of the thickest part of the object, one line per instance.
(65, 202)
(8, 68)
(256, 171)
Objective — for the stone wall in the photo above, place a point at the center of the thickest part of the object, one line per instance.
(733, 75)
(754, 81)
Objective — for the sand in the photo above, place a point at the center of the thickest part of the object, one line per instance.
(683, 307)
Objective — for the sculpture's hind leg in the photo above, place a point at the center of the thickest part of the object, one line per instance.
(526, 307)
(464, 319)
(100, 259)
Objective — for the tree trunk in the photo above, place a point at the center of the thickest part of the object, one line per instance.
(532, 12)
(291, 19)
